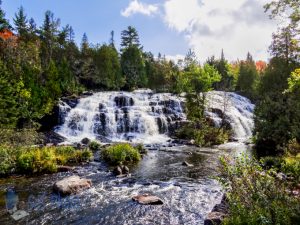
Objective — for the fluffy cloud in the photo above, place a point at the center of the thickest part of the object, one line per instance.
(209, 26)
(135, 7)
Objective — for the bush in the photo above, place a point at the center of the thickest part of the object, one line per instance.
(204, 136)
(255, 196)
(141, 149)
(7, 160)
(39, 160)
(274, 162)
(94, 145)
(291, 166)
(121, 153)
(293, 147)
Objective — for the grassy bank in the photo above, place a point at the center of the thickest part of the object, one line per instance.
(35, 160)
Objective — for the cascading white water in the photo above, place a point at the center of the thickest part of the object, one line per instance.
(142, 116)
(138, 116)
(236, 109)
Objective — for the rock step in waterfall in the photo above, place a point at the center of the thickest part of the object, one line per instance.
(142, 116)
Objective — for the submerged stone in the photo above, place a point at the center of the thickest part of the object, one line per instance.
(147, 199)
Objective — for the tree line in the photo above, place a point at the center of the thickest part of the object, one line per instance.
(41, 64)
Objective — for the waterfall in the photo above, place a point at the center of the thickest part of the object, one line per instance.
(142, 116)
(233, 108)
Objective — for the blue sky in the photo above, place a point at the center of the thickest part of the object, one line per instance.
(167, 26)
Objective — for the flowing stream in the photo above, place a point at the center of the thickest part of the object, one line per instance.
(189, 193)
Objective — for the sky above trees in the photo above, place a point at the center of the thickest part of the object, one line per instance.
(170, 27)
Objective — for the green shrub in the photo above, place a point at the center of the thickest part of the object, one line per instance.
(7, 160)
(255, 196)
(293, 147)
(121, 153)
(65, 154)
(291, 166)
(37, 161)
(46, 159)
(204, 136)
(141, 149)
(84, 155)
(274, 162)
(94, 145)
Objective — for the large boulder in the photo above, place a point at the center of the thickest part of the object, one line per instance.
(71, 185)
(85, 141)
(147, 199)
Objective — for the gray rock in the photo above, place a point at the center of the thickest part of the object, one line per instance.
(147, 199)
(71, 185)
(118, 171)
(19, 214)
(125, 170)
(214, 218)
(85, 141)
(185, 163)
(281, 176)
(64, 168)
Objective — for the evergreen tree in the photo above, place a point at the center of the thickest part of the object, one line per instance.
(20, 22)
(130, 38)
(247, 78)
(85, 44)
(108, 73)
(112, 39)
(49, 32)
(4, 24)
(133, 67)
(9, 113)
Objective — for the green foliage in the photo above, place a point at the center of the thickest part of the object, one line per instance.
(141, 149)
(130, 38)
(31, 160)
(255, 196)
(291, 166)
(7, 160)
(4, 24)
(247, 78)
(20, 22)
(203, 136)
(108, 68)
(95, 146)
(226, 83)
(277, 113)
(133, 67)
(121, 153)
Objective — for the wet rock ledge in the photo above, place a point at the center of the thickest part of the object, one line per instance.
(218, 213)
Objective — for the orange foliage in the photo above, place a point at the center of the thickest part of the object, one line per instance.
(261, 66)
(7, 34)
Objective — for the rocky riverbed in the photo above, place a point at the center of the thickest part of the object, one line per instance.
(188, 193)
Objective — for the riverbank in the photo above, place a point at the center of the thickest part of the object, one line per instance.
(188, 193)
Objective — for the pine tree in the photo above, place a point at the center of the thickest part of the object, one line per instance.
(247, 77)
(49, 33)
(84, 44)
(20, 22)
(4, 24)
(133, 67)
(130, 38)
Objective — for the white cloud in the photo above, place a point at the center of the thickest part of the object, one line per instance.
(175, 58)
(136, 7)
(209, 26)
